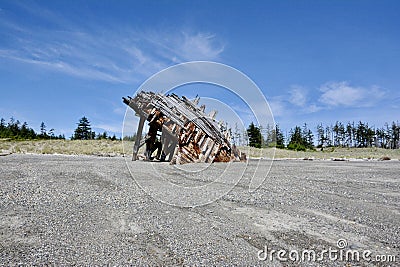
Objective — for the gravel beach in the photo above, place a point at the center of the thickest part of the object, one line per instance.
(86, 210)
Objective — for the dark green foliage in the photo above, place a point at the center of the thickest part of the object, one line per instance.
(359, 135)
(301, 139)
(43, 133)
(341, 135)
(254, 134)
(105, 136)
(16, 131)
(296, 146)
(395, 135)
(83, 131)
(102, 136)
(321, 136)
(296, 140)
(307, 137)
(130, 137)
(280, 139)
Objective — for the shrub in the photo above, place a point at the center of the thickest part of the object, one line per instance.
(296, 146)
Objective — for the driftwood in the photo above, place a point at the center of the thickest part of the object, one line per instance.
(188, 134)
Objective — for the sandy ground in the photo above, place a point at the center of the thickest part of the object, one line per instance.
(85, 210)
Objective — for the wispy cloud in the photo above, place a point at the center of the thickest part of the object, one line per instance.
(112, 55)
(278, 107)
(313, 108)
(328, 96)
(298, 96)
(109, 128)
(336, 94)
(200, 46)
(119, 110)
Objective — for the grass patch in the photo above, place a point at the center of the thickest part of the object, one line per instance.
(327, 153)
(117, 148)
(69, 147)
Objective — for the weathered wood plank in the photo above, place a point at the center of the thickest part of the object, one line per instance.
(188, 134)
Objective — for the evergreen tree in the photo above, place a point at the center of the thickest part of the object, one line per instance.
(341, 132)
(395, 135)
(320, 135)
(336, 136)
(237, 140)
(280, 139)
(2, 124)
(51, 134)
(328, 136)
(296, 139)
(308, 137)
(83, 131)
(130, 137)
(3, 129)
(15, 131)
(254, 135)
(13, 127)
(43, 132)
(270, 135)
(24, 131)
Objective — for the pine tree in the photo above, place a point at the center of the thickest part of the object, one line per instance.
(24, 131)
(321, 136)
(3, 128)
(280, 139)
(394, 136)
(297, 140)
(51, 134)
(43, 133)
(237, 140)
(83, 131)
(328, 137)
(2, 124)
(254, 135)
(308, 137)
(13, 127)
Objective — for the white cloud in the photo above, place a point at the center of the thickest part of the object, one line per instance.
(119, 110)
(200, 46)
(313, 108)
(277, 107)
(298, 96)
(110, 128)
(336, 94)
(96, 53)
(328, 96)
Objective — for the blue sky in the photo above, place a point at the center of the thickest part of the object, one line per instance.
(315, 61)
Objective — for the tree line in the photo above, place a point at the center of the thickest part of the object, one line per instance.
(16, 130)
(351, 134)
(338, 135)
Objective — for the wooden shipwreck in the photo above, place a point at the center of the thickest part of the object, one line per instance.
(186, 133)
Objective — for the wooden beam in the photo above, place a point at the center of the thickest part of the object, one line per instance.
(200, 137)
(139, 131)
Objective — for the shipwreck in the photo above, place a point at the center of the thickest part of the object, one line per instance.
(180, 130)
